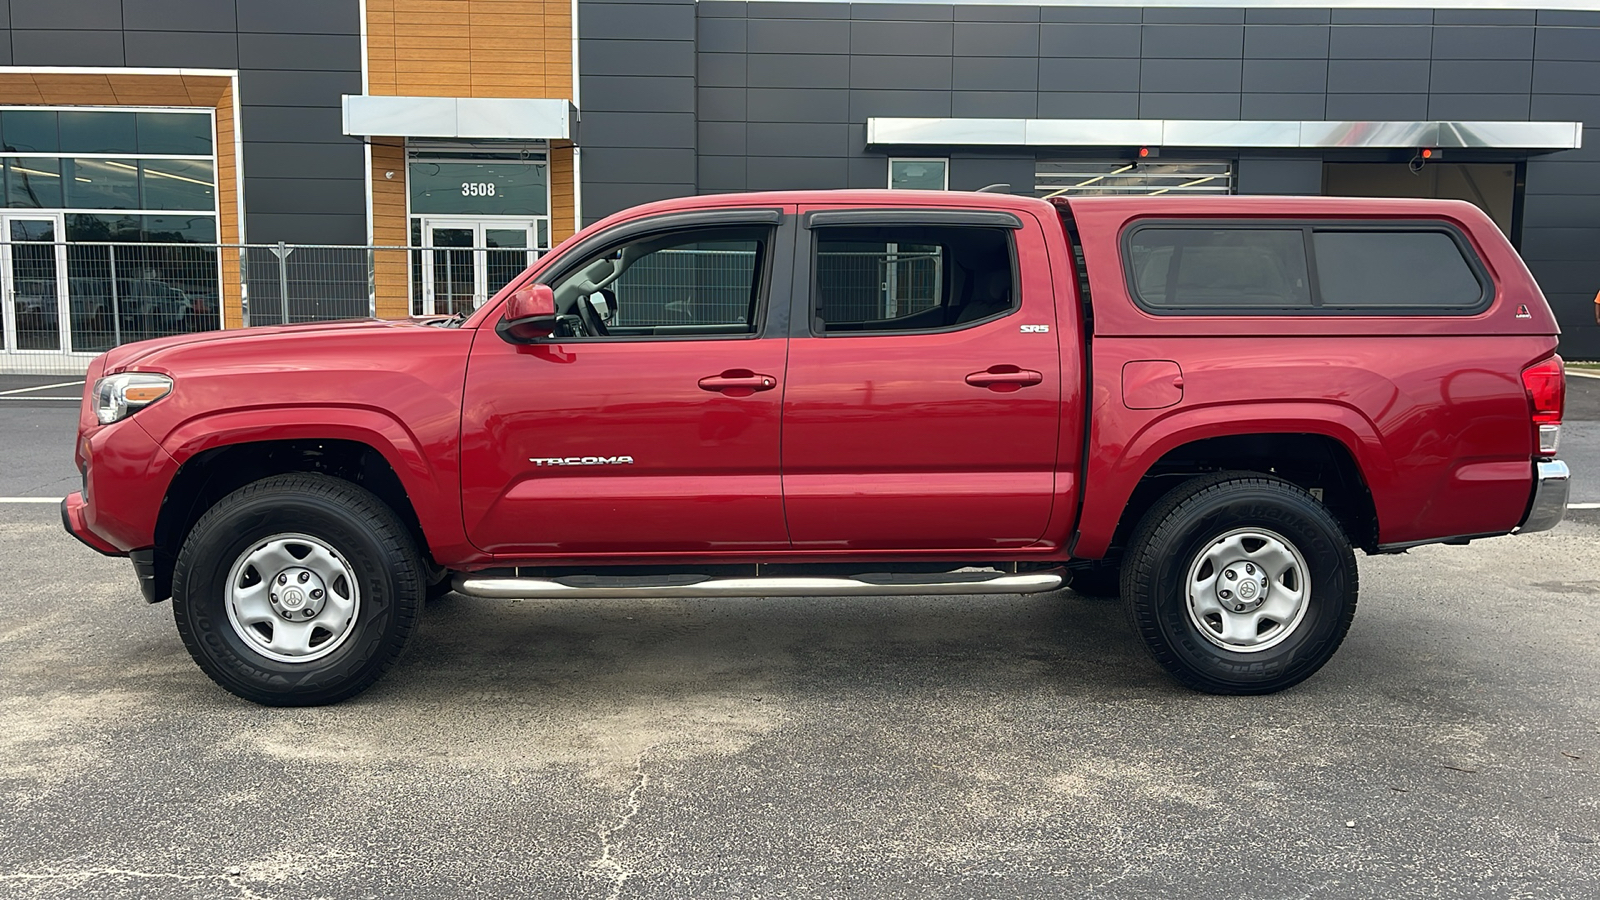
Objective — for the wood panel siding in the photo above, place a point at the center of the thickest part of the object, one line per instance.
(469, 48)
(563, 215)
(390, 272)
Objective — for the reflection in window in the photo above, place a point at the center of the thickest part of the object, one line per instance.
(33, 183)
(102, 184)
(178, 184)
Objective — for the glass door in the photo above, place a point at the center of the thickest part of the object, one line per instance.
(464, 262)
(32, 265)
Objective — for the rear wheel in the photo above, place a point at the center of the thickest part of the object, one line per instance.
(297, 590)
(1240, 584)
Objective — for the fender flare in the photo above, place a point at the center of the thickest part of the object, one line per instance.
(434, 492)
(1108, 490)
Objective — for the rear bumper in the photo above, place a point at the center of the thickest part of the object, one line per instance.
(1552, 484)
(73, 520)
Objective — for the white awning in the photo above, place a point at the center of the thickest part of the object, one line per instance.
(459, 117)
(1228, 133)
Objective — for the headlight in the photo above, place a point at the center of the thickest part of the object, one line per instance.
(119, 396)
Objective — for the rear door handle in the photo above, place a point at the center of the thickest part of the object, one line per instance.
(1004, 378)
(738, 382)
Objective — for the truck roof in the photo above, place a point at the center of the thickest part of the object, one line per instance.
(1144, 204)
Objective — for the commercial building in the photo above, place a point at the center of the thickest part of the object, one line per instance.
(156, 152)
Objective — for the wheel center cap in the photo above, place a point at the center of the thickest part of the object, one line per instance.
(298, 594)
(1242, 587)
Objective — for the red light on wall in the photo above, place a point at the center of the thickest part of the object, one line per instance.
(1144, 152)
(1429, 153)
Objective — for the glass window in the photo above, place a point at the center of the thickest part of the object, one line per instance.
(102, 183)
(127, 228)
(29, 131)
(698, 283)
(98, 132)
(498, 188)
(177, 133)
(927, 278)
(177, 184)
(1228, 268)
(33, 182)
(919, 174)
(1394, 269)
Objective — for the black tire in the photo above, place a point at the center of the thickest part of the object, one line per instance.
(377, 565)
(1098, 578)
(1205, 527)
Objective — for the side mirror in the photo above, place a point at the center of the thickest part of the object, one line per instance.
(530, 315)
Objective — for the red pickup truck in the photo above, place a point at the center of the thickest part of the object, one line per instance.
(1202, 404)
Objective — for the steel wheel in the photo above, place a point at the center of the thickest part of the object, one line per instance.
(297, 590)
(292, 598)
(1240, 583)
(1248, 590)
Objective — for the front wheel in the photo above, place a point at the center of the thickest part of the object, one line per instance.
(297, 590)
(1240, 584)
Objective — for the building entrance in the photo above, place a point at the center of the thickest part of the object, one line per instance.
(465, 261)
(32, 261)
(1492, 187)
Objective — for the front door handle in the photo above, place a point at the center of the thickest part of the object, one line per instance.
(1004, 378)
(738, 382)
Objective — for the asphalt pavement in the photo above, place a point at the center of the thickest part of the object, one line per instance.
(962, 747)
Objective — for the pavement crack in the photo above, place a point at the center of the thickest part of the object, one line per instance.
(608, 865)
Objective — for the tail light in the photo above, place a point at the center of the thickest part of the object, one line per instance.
(1546, 384)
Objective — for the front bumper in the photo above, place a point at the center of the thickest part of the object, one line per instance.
(1552, 484)
(73, 520)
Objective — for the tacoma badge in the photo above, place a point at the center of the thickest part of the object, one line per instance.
(581, 460)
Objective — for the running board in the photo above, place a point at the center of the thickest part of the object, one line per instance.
(588, 587)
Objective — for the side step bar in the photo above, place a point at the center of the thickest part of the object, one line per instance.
(589, 587)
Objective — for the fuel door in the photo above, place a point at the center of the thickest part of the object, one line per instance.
(1151, 384)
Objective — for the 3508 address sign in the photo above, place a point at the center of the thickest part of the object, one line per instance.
(477, 189)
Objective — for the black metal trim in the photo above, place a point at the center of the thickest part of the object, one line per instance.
(1309, 227)
(914, 216)
(1453, 539)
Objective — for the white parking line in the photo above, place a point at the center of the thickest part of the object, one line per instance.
(30, 499)
(36, 399)
(40, 387)
(1583, 506)
(1583, 374)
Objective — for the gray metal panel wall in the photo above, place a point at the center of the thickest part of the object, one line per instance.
(778, 94)
(637, 89)
(303, 177)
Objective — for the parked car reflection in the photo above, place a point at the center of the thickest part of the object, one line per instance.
(143, 308)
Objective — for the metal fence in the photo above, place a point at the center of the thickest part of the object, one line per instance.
(64, 301)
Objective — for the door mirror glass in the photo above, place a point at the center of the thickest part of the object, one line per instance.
(530, 314)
